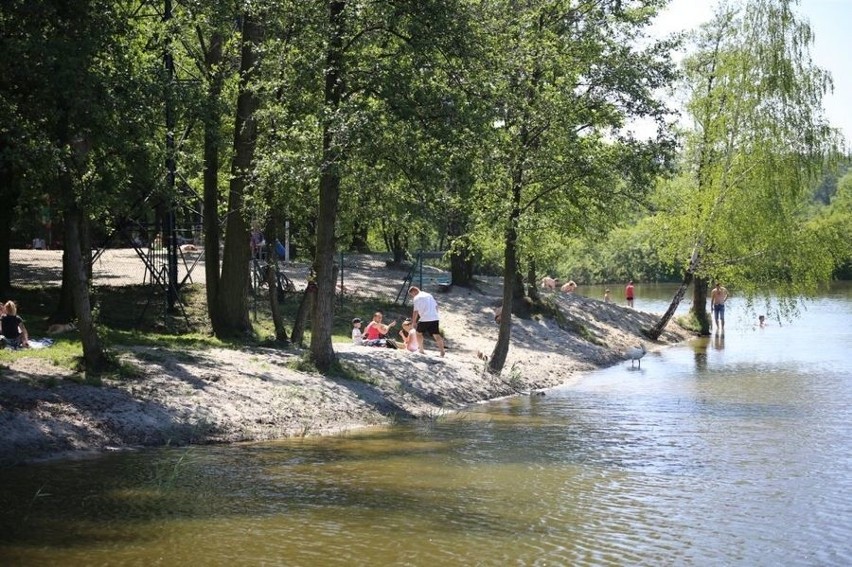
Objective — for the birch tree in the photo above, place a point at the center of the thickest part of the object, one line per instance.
(757, 142)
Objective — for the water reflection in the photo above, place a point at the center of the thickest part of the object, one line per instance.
(699, 346)
(736, 455)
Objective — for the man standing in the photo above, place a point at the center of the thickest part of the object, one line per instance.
(424, 317)
(628, 293)
(717, 304)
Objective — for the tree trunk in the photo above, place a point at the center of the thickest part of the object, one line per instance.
(212, 133)
(322, 353)
(306, 305)
(9, 193)
(532, 282)
(5, 254)
(359, 237)
(93, 355)
(461, 267)
(86, 246)
(232, 297)
(699, 305)
(7, 215)
(65, 307)
(510, 274)
(397, 240)
(657, 330)
(272, 284)
(694, 261)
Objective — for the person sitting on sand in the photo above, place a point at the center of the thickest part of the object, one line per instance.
(376, 329)
(409, 336)
(357, 335)
(376, 332)
(12, 327)
(549, 283)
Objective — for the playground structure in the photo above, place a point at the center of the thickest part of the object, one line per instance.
(161, 260)
(443, 281)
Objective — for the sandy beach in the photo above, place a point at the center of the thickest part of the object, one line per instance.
(251, 394)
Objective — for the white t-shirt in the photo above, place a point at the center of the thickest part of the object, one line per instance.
(426, 306)
(357, 338)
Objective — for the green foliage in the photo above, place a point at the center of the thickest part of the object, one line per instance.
(830, 228)
(460, 119)
(633, 252)
(759, 145)
(562, 95)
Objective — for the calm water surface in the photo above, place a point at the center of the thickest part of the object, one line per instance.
(731, 450)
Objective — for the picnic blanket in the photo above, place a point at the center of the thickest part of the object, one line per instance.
(34, 343)
(40, 343)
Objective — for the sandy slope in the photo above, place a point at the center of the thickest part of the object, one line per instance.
(222, 395)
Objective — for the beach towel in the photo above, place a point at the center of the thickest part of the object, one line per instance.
(40, 343)
(33, 343)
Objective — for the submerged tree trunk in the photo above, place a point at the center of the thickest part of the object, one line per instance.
(699, 305)
(657, 330)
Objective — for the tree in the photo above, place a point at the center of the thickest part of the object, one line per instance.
(566, 77)
(758, 142)
(374, 53)
(75, 84)
(229, 312)
(831, 224)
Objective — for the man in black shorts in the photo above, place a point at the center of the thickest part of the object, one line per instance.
(425, 317)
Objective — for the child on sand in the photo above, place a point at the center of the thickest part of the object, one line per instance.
(357, 336)
(409, 336)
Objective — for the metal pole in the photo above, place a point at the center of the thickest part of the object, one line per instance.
(287, 242)
(170, 232)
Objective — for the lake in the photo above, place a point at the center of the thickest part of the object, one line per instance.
(728, 450)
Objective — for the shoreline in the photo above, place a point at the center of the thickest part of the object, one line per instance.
(220, 395)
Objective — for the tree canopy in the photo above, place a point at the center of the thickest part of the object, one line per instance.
(502, 132)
